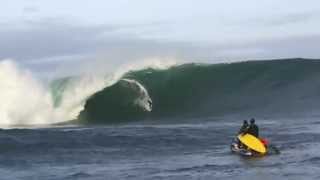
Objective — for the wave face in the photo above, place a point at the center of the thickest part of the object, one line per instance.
(253, 88)
(122, 101)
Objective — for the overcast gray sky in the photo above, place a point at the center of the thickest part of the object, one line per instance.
(45, 34)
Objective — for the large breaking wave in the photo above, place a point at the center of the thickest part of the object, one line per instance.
(27, 101)
(163, 91)
(254, 88)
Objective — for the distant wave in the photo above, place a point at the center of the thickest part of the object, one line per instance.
(274, 87)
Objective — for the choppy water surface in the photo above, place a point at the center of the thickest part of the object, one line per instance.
(158, 151)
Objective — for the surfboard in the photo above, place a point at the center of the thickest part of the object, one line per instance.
(252, 143)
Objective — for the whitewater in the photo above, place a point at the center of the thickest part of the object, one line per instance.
(160, 120)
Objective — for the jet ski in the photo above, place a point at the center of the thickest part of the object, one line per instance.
(241, 149)
(235, 148)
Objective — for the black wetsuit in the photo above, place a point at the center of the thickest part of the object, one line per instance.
(253, 130)
(243, 128)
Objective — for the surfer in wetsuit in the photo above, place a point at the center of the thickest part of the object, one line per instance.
(244, 127)
(150, 103)
(253, 128)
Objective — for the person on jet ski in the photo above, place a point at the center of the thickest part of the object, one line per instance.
(244, 127)
(253, 128)
(237, 144)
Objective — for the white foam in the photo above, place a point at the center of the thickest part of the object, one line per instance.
(23, 99)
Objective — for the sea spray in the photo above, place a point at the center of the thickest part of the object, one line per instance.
(23, 99)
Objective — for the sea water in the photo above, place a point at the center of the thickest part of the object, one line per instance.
(159, 151)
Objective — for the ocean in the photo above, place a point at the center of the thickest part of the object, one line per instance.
(175, 122)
